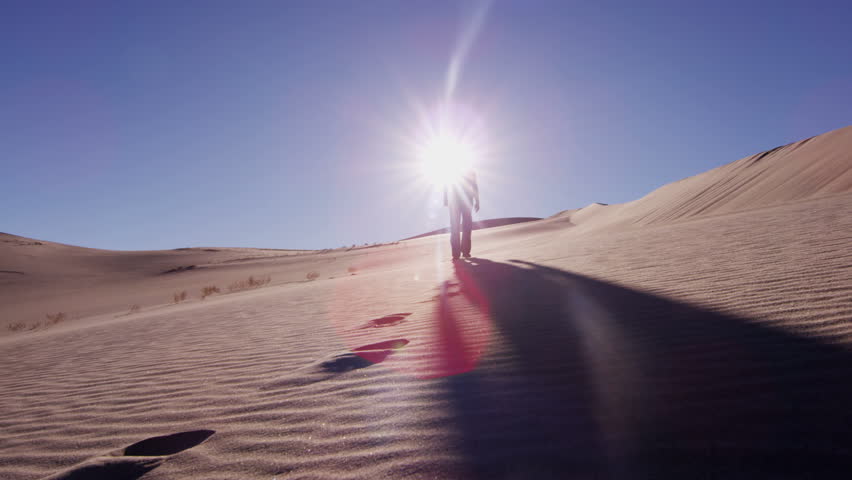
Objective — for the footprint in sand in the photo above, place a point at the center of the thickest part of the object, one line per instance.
(378, 352)
(447, 289)
(387, 321)
(135, 460)
(358, 358)
(439, 296)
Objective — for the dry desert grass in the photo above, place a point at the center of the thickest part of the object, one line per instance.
(208, 290)
(178, 297)
(250, 283)
(52, 319)
(16, 326)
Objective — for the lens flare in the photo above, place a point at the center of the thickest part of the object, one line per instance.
(451, 140)
(444, 158)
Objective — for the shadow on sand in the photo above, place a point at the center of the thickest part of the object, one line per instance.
(593, 380)
(136, 460)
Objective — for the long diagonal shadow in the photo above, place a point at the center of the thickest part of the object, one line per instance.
(597, 380)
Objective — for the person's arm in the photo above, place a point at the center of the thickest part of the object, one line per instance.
(475, 193)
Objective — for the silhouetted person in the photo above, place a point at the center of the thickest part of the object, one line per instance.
(460, 197)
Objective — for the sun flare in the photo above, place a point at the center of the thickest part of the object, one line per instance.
(444, 158)
(448, 141)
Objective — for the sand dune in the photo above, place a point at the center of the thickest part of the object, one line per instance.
(809, 168)
(703, 330)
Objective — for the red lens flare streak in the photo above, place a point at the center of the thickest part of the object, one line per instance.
(447, 337)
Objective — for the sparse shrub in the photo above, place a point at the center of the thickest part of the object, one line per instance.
(179, 296)
(351, 269)
(313, 276)
(252, 282)
(208, 290)
(134, 309)
(56, 317)
(16, 327)
(181, 268)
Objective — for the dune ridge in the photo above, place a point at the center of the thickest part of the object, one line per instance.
(809, 168)
(480, 224)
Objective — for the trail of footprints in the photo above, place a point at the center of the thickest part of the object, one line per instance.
(134, 461)
(357, 358)
(371, 354)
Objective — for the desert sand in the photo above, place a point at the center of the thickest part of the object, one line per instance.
(703, 330)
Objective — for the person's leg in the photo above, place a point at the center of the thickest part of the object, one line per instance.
(455, 224)
(467, 226)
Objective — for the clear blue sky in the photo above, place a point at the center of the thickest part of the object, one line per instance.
(287, 124)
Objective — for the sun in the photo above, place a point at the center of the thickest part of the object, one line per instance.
(447, 142)
(445, 157)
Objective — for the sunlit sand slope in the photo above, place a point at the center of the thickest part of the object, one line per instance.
(809, 168)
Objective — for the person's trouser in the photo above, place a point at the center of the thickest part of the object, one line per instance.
(460, 219)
